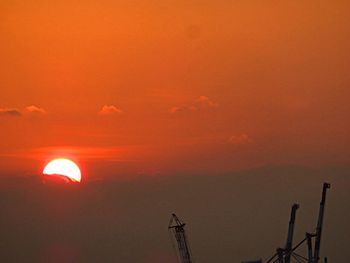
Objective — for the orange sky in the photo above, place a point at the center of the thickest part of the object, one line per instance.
(189, 86)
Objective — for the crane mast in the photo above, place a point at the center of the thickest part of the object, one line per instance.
(284, 254)
(289, 244)
(316, 257)
(178, 230)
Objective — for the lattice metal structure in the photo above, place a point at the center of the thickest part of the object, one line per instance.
(177, 229)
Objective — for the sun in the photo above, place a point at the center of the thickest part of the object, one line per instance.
(64, 168)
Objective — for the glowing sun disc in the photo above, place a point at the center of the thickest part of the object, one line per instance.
(64, 167)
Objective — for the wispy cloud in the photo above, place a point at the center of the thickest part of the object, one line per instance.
(201, 103)
(204, 101)
(240, 139)
(14, 112)
(182, 108)
(110, 109)
(10, 112)
(111, 154)
(35, 109)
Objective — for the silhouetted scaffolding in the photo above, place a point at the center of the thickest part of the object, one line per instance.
(177, 230)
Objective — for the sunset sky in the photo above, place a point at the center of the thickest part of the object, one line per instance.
(174, 86)
(156, 89)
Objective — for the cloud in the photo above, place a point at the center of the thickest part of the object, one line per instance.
(110, 109)
(10, 112)
(35, 109)
(205, 101)
(201, 103)
(183, 108)
(240, 139)
(32, 109)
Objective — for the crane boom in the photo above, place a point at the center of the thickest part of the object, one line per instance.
(316, 258)
(178, 229)
(289, 244)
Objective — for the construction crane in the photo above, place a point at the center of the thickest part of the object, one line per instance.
(318, 234)
(289, 244)
(283, 255)
(177, 229)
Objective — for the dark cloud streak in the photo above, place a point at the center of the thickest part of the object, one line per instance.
(10, 112)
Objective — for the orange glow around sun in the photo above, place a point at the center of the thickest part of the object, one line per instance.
(63, 168)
